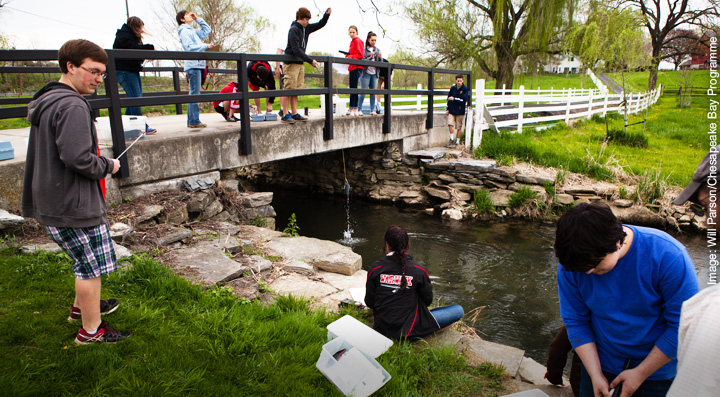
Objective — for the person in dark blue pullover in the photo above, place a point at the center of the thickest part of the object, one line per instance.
(621, 289)
(457, 97)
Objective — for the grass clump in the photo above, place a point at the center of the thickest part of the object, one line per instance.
(651, 186)
(482, 202)
(187, 340)
(520, 196)
(629, 138)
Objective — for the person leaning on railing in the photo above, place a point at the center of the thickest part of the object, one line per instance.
(129, 37)
(191, 40)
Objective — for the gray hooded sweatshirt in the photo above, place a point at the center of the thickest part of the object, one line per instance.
(62, 170)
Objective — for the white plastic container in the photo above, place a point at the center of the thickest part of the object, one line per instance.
(528, 393)
(354, 373)
(359, 335)
(129, 123)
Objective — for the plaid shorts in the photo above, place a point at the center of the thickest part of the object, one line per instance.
(90, 247)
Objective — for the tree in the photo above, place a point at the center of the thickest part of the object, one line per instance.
(681, 44)
(491, 34)
(235, 28)
(662, 16)
(611, 38)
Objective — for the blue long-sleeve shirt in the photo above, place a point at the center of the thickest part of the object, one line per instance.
(633, 307)
(191, 40)
(460, 96)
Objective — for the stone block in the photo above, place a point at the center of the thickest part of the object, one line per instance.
(500, 198)
(447, 179)
(256, 199)
(300, 286)
(448, 337)
(440, 193)
(342, 281)
(213, 209)
(479, 351)
(429, 211)
(174, 235)
(639, 216)
(505, 171)
(299, 267)
(623, 203)
(465, 187)
(265, 211)
(581, 190)
(199, 201)
(245, 287)
(325, 255)
(500, 178)
(398, 177)
(453, 213)
(121, 252)
(480, 166)
(258, 264)
(564, 199)
(533, 372)
(49, 247)
(410, 194)
(121, 232)
(148, 212)
(9, 220)
(494, 185)
(175, 217)
(388, 164)
(208, 264)
(427, 154)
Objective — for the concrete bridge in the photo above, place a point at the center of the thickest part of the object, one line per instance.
(177, 152)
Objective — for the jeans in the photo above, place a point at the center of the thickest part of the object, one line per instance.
(447, 315)
(368, 81)
(649, 388)
(354, 78)
(194, 82)
(131, 83)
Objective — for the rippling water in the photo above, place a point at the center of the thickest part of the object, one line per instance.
(508, 267)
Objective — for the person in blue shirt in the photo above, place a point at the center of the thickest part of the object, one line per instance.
(457, 97)
(621, 289)
(191, 40)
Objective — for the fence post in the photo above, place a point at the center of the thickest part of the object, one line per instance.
(176, 86)
(552, 96)
(605, 103)
(329, 121)
(567, 107)
(387, 117)
(115, 115)
(245, 141)
(479, 112)
(419, 98)
(431, 99)
(590, 103)
(538, 96)
(521, 109)
(502, 95)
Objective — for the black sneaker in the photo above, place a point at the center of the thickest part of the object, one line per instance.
(298, 117)
(104, 334)
(280, 113)
(106, 307)
(232, 119)
(287, 119)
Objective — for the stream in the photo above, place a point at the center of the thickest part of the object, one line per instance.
(509, 267)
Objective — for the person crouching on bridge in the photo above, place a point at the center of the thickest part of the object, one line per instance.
(228, 108)
(260, 75)
(398, 290)
(129, 37)
(64, 186)
(294, 71)
(457, 97)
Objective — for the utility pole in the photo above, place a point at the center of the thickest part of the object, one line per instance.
(127, 9)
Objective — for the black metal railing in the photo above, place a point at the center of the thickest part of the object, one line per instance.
(114, 101)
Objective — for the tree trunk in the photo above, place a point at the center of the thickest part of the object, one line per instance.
(654, 65)
(506, 63)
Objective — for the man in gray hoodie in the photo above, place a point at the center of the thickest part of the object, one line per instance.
(64, 184)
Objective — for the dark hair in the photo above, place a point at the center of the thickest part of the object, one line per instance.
(181, 16)
(585, 234)
(76, 51)
(136, 24)
(367, 39)
(398, 242)
(262, 72)
(459, 76)
(302, 13)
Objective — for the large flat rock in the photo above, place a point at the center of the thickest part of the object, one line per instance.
(7, 219)
(479, 351)
(207, 263)
(433, 154)
(326, 255)
(297, 285)
(480, 166)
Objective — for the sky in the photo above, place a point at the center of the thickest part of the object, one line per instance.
(47, 24)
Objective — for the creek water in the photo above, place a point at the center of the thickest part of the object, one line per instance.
(509, 267)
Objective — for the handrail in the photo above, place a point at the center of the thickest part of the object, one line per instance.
(114, 101)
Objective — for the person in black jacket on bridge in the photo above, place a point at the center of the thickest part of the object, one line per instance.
(398, 290)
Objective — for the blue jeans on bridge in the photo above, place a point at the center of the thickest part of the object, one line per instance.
(353, 80)
(447, 315)
(132, 84)
(368, 81)
(194, 83)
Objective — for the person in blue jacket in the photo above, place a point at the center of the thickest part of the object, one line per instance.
(191, 40)
(457, 98)
(621, 289)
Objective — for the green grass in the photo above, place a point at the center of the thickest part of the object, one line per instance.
(482, 202)
(187, 341)
(677, 141)
(521, 196)
(638, 81)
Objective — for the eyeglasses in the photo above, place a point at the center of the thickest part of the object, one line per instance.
(95, 73)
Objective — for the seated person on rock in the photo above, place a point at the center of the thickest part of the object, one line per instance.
(228, 108)
(398, 290)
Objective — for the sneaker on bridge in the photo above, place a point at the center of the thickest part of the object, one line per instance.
(288, 119)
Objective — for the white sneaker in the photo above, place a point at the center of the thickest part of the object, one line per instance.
(373, 113)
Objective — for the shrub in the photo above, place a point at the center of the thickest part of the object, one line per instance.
(292, 227)
(519, 197)
(482, 202)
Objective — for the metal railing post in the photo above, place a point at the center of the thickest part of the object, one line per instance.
(387, 117)
(245, 142)
(328, 132)
(431, 99)
(176, 86)
(115, 115)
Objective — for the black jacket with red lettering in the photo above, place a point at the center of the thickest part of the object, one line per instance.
(400, 314)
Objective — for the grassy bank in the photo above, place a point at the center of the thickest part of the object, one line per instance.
(638, 81)
(188, 341)
(677, 141)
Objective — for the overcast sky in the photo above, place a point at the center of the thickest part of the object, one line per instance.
(47, 24)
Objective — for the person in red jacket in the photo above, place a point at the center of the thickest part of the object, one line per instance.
(398, 290)
(228, 108)
(357, 50)
(260, 75)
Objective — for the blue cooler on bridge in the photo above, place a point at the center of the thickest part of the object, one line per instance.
(6, 151)
(271, 117)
